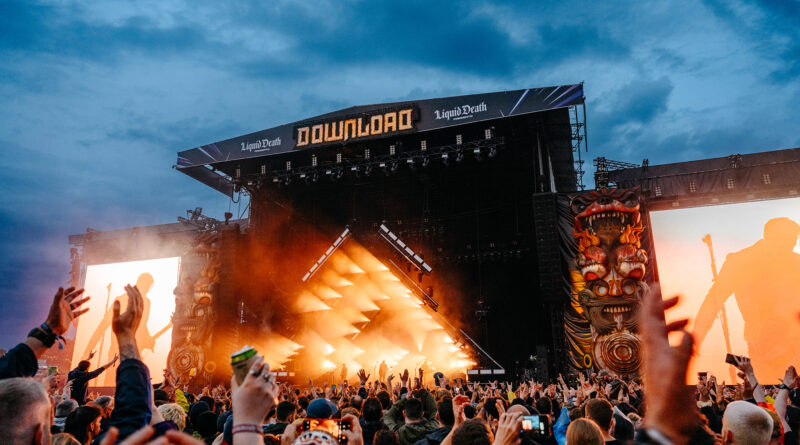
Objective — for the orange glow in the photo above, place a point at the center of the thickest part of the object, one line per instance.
(104, 283)
(369, 317)
(684, 267)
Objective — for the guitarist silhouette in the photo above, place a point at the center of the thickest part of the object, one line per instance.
(143, 337)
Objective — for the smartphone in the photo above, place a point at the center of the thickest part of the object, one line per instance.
(52, 370)
(536, 426)
(731, 359)
(702, 376)
(334, 427)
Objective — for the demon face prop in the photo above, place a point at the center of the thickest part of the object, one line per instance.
(194, 312)
(611, 263)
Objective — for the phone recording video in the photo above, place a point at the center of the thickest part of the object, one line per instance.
(334, 427)
(536, 426)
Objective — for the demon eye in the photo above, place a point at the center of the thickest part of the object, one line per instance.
(591, 276)
(601, 289)
(628, 288)
(199, 311)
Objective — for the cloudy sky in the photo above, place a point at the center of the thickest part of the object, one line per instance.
(98, 98)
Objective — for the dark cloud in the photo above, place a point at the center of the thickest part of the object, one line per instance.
(60, 29)
(637, 103)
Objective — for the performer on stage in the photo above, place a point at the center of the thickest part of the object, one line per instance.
(763, 278)
(143, 337)
(382, 370)
(344, 372)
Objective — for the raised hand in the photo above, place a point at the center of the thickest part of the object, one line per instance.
(125, 324)
(363, 376)
(66, 307)
(508, 429)
(404, 377)
(354, 434)
(790, 377)
(671, 408)
(257, 394)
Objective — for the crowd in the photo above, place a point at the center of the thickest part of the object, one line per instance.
(596, 409)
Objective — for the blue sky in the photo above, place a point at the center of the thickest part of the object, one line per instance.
(97, 97)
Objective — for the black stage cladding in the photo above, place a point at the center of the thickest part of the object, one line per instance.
(461, 195)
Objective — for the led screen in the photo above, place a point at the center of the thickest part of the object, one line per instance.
(757, 259)
(156, 280)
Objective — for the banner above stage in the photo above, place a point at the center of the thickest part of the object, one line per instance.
(369, 122)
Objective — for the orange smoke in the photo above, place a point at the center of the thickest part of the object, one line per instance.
(355, 312)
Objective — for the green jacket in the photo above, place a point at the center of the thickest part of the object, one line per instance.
(412, 432)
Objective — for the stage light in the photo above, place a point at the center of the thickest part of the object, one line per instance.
(492, 152)
(366, 153)
(263, 169)
(368, 169)
(238, 172)
(392, 149)
(459, 139)
(423, 145)
(328, 171)
(313, 160)
(338, 158)
(477, 152)
(288, 165)
(488, 133)
(336, 243)
(339, 173)
(275, 179)
(393, 166)
(410, 161)
(459, 156)
(425, 161)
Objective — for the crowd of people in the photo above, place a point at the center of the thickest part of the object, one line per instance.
(658, 408)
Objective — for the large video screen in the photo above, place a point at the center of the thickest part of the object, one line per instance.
(753, 274)
(156, 280)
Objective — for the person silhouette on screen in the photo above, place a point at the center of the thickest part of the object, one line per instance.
(143, 337)
(764, 280)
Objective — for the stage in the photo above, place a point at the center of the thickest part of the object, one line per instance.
(448, 234)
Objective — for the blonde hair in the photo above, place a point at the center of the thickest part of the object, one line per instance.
(175, 413)
(584, 431)
(64, 439)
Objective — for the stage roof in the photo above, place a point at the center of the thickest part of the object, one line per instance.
(371, 122)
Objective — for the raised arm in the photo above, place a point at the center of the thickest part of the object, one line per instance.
(21, 360)
(132, 397)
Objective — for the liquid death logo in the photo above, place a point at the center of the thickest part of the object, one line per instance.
(341, 130)
(460, 112)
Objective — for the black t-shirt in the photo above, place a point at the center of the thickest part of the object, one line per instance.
(275, 428)
(613, 442)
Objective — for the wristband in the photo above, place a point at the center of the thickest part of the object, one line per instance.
(49, 331)
(783, 386)
(246, 428)
(48, 339)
